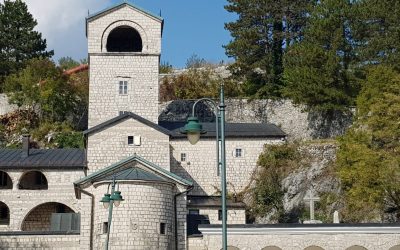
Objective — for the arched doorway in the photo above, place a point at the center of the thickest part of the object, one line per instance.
(124, 39)
(356, 248)
(33, 180)
(5, 181)
(4, 214)
(39, 218)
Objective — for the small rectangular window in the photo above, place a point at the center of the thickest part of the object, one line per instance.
(219, 214)
(162, 228)
(123, 87)
(183, 157)
(130, 140)
(238, 152)
(137, 140)
(105, 227)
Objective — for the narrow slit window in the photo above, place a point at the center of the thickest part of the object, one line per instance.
(162, 228)
(219, 214)
(123, 87)
(105, 227)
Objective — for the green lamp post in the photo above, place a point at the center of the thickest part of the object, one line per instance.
(193, 129)
(109, 200)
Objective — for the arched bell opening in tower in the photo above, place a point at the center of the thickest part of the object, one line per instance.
(124, 39)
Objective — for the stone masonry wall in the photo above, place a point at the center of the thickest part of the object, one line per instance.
(39, 242)
(295, 241)
(110, 145)
(296, 123)
(200, 166)
(141, 73)
(234, 216)
(136, 222)
(22, 202)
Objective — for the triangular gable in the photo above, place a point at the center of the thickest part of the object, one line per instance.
(123, 117)
(146, 171)
(119, 6)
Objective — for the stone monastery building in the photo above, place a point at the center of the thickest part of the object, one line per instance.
(50, 198)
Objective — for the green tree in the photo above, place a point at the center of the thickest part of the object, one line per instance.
(261, 34)
(67, 63)
(321, 71)
(41, 87)
(19, 42)
(368, 160)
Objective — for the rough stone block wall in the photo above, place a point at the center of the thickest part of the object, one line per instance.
(110, 145)
(200, 166)
(5, 107)
(235, 216)
(22, 202)
(40, 242)
(141, 73)
(293, 120)
(136, 222)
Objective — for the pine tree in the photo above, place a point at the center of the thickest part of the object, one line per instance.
(264, 29)
(18, 41)
(321, 70)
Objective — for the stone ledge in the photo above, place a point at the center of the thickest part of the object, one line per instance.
(22, 233)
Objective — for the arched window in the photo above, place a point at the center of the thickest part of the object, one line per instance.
(356, 248)
(39, 218)
(5, 181)
(33, 180)
(4, 214)
(124, 39)
(313, 248)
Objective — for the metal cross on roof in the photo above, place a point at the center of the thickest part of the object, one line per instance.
(311, 198)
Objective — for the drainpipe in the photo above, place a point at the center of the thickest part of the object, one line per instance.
(91, 217)
(176, 214)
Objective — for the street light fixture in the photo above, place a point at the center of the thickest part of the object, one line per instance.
(193, 129)
(109, 200)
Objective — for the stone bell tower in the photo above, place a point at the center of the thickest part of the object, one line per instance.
(124, 45)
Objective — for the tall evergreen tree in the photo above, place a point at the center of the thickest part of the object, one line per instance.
(18, 41)
(320, 71)
(262, 32)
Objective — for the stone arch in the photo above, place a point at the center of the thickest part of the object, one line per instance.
(313, 248)
(356, 248)
(38, 218)
(126, 24)
(4, 214)
(33, 180)
(271, 248)
(397, 247)
(5, 181)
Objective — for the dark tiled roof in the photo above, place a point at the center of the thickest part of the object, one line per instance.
(231, 129)
(195, 201)
(133, 173)
(123, 117)
(43, 158)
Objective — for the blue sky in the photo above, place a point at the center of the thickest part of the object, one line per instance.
(191, 26)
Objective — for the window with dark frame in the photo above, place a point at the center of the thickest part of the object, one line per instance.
(105, 227)
(123, 87)
(238, 152)
(162, 228)
(130, 140)
(183, 156)
(219, 214)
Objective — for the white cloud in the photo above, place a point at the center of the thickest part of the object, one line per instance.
(62, 23)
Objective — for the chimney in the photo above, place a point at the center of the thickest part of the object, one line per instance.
(25, 146)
